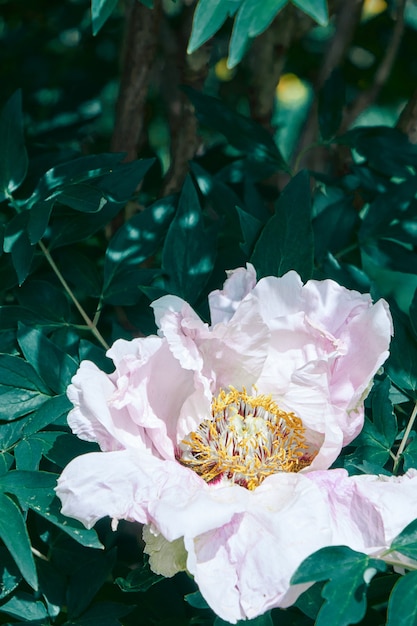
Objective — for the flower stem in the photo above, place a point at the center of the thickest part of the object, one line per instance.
(90, 324)
(346, 250)
(405, 438)
(304, 151)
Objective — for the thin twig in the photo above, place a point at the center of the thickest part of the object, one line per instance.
(38, 554)
(382, 74)
(347, 18)
(407, 122)
(69, 291)
(266, 60)
(405, 438)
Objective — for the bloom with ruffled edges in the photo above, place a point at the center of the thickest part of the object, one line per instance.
(210, 433)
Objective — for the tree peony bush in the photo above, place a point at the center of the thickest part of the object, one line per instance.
(211, 435)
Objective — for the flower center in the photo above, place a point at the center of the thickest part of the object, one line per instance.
(248, 438)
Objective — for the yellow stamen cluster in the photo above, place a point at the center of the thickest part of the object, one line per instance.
(248, 438)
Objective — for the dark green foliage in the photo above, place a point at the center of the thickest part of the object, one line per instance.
(345, 594)
(242, 133)
(189, 249)
(89, 239)
(286, 241)
(331, 103)
(13, 156)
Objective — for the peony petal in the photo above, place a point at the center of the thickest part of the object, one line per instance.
(123, 485)
(92, 419)
(223, 303)
(355, 522)
(367, 512)
(197, 509)
(351, 375)
(257, 552)
(394, 498)
(153, 402)
(276, 297)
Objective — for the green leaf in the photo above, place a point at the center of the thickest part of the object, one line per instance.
(286, 242)
(133, 243)
(16, 539)
(52, 585)
(209, 17)
(409, 456)
(189, 250)
(382, 211)
(402, 610)
(10, 575)
(38, 220)
(53, 365)
(21, 389)
(242, 132)
(386, 149)
(402, 363)
(391, 255)
(317, 9)
(251, 228)
(16, 241)
(372, 446)
(64, 447)
(349, 574)
(59, 447)
(116, 183)
(100, 12)
(82, 271)
(82, 197)
(6, 460)
(331, 103)
(11, 432)
(140, 579)
(68, 226)
(103, 614)
(406, 541)
(220, 200)
(47, 302)
(35, 490)
(196, 600)
(28, 452)
(252, 19)
(24, 606)
(91, 352)
(13, 155)
(413, 314)
(50, 411)
(383, 415)
(335, 227)
(88, 183)
(87, 580)
(311, 601)
(377, 436)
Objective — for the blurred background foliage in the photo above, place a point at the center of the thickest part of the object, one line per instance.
(285, 136)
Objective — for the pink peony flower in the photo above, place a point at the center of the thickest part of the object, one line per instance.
(367, 512)
(210, 434)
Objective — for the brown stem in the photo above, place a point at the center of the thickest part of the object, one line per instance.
(266, 60)
(181, 69)
(348, 15)
(347, 18)
(407, 122)
(382, 74)
(141, 40)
